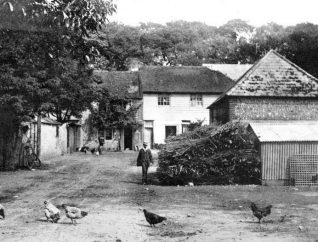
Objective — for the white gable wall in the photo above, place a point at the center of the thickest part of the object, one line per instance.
(52, 145)
(179, 109)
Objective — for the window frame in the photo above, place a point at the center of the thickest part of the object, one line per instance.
(162, 102)
(196, 100)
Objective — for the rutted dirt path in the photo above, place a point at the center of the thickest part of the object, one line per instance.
(108, 188)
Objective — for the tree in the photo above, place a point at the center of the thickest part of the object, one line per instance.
(301, 46)
(116, 44)
(44, 66)
(115, 109)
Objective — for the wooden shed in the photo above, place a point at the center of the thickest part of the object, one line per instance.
(279, 142)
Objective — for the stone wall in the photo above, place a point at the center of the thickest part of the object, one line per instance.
(273, 109)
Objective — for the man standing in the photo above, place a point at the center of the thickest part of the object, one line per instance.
(144, 159)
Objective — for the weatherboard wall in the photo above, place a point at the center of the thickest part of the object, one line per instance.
(172, 115)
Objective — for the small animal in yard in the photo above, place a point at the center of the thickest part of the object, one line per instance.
(84, 149)
(314, 178)
(2, 216)
(74, 213)
(52, 213)
(260, 212)
(152, 218)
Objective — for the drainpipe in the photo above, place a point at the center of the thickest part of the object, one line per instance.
(38, 143)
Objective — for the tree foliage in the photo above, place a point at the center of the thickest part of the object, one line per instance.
(45, 60)
(194, 43)
(113, 110)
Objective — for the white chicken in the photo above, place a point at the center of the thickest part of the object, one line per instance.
(2, 216)
(52, 213)
(74, 213)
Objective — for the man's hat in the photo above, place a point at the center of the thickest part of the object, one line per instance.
(145, 143)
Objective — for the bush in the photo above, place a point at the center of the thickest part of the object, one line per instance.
(211, 155)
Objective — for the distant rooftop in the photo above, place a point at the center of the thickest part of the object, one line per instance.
(233, 71)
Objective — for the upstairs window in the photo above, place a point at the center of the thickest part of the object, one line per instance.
(163, 100)
(196, 100)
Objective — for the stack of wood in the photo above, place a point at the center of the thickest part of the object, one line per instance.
(211, 155)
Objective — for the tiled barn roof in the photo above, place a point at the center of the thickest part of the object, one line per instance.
(274, 76)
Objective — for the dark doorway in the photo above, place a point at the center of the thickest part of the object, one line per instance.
(128, 138)
(171, 131)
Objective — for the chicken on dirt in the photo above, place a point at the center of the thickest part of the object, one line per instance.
(260, 212)
(52, 213)
(2, 216)
(74, 213)
(152, 218)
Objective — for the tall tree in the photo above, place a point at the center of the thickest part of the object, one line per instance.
(44, 65)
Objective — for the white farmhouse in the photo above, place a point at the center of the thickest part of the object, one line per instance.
(175, 96)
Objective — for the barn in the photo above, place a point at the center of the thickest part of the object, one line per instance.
(288, 151)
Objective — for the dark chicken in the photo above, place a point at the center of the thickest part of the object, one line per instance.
(152, 218)
(260, 212)
(2, 216)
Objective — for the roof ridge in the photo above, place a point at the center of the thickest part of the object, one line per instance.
(171, 67)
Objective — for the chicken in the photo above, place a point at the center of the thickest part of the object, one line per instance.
(259, 212)
(314, 178)
(52, 213)
(2, 216)
(74, 213)
(152, 218)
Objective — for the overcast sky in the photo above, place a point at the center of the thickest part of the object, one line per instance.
(217, 12)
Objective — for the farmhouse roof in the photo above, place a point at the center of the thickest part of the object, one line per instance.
(274, 76)
(184, 79)
(233, 71)
(285, 131)
(121, 82)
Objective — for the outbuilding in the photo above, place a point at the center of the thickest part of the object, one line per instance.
(288, 151)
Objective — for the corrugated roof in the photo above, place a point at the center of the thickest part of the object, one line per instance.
(286, 131)
(233, 71)
(121, 82)
(184, 79)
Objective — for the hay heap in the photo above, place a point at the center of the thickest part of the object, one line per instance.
(211, 155)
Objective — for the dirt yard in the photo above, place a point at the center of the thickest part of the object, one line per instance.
(109, 188)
